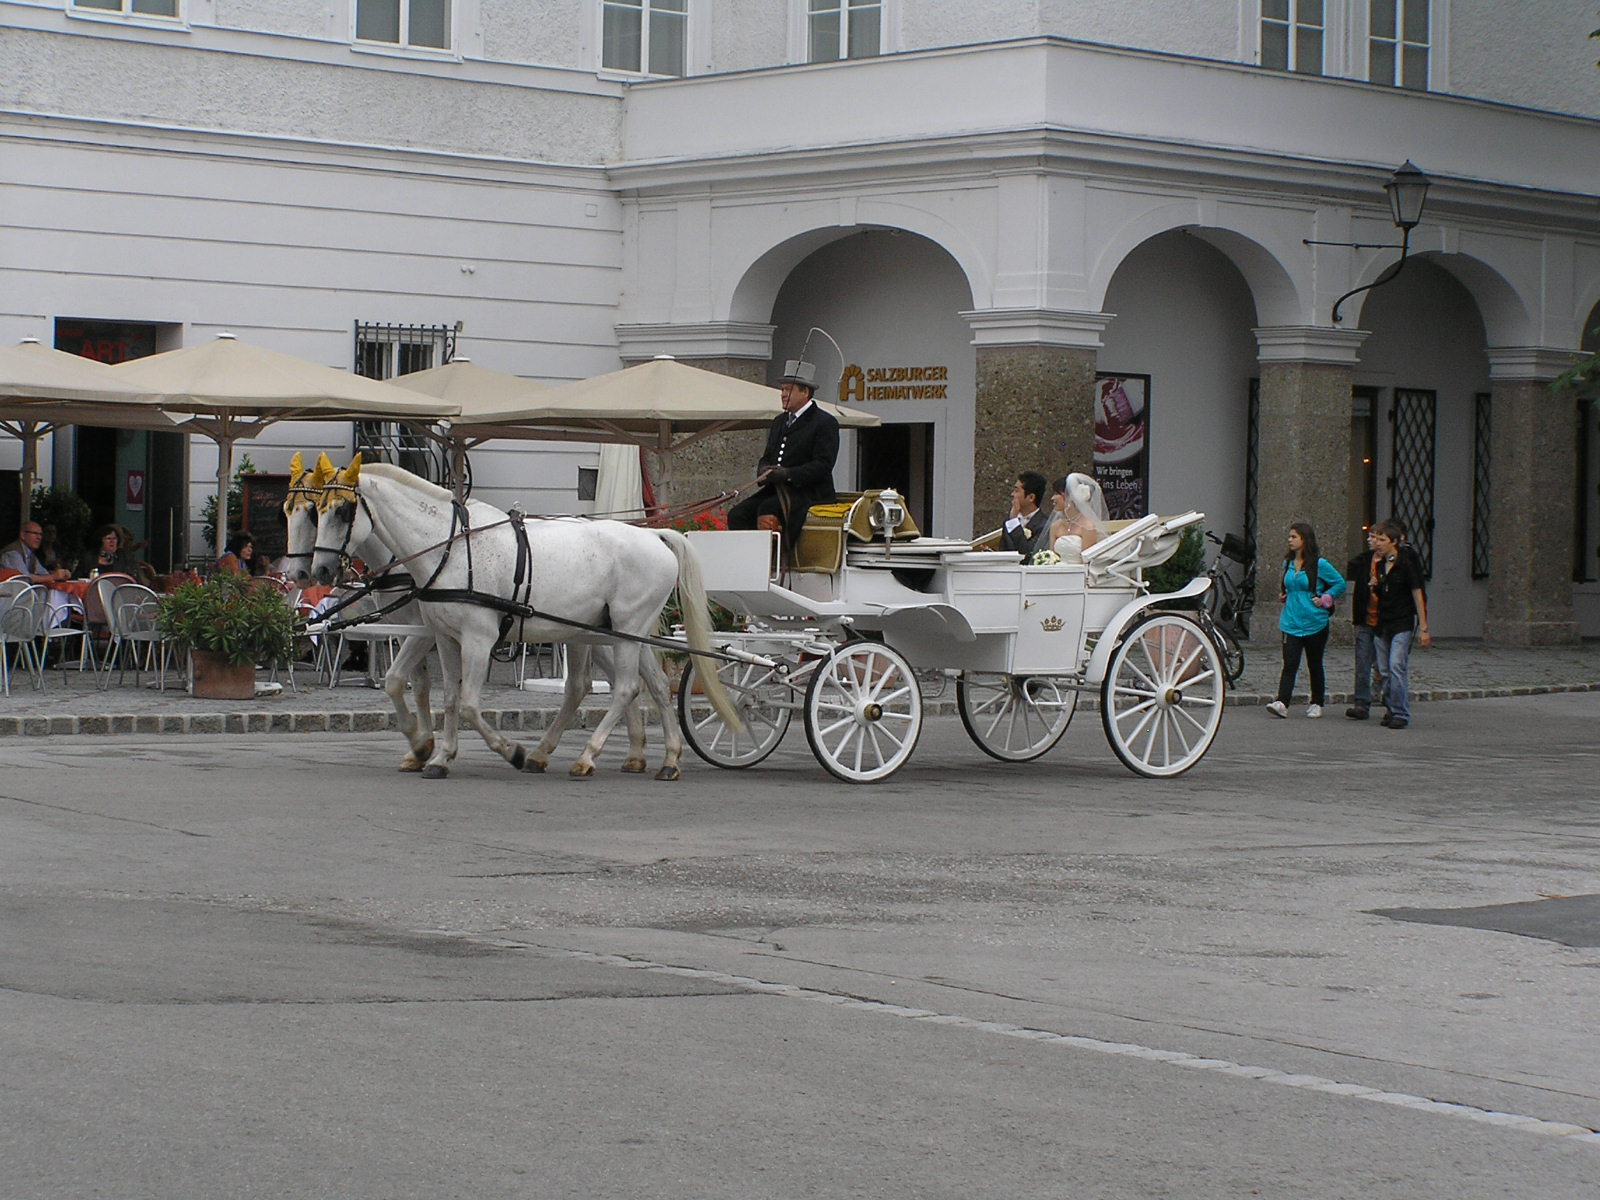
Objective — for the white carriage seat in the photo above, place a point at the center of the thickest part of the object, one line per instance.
(1116, 560)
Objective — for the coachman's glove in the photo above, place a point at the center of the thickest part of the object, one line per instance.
(777, 475)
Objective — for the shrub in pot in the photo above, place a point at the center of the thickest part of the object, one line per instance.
(238, 620)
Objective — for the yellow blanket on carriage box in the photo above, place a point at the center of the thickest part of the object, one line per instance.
(828, 527)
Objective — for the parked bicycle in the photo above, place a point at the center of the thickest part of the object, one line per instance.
(1229, 601)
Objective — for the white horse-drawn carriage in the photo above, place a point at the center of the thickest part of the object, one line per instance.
(839, 635)
(843, 637)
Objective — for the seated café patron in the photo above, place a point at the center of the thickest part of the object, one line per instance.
(108, 559)
(241, 556)
(22, 557)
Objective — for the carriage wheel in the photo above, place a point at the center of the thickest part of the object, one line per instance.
(863, 712)
(1014, 718)
(761, 696)
(1161, 702)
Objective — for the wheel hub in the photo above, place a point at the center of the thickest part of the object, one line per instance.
(872, 711)
(1172, 697)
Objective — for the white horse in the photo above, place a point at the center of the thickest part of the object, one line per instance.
(604, 574)
(411, 663)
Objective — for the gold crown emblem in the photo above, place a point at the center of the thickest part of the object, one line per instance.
(1052, 624)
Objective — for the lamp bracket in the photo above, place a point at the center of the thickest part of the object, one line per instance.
(1353, 245)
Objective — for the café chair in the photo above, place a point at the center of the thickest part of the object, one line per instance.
(18, 621)
(134, 611)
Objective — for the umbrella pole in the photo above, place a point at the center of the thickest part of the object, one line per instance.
(224, 471)
(29, 432)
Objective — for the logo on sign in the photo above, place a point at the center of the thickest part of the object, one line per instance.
(133, 491)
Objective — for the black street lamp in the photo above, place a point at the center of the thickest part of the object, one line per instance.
(1408, 194)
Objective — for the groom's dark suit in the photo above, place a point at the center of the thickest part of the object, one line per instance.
(1029, 537)
(803, 453)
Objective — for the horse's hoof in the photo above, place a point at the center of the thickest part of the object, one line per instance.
(534, 766)
(670, 774)
(435, 772)
(411, 763)
(581, 770)
(634, 766)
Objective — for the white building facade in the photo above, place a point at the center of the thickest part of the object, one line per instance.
(988, 207)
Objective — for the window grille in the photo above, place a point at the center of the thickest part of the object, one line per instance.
(1414, 419)
(1586, 553)
(1252, 466)
(1481, 409)
(382, 352)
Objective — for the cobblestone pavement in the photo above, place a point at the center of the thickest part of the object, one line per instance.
(71, 703)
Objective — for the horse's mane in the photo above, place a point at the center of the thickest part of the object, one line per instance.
(415, 482)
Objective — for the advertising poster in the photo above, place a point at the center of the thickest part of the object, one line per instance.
(1122, 443)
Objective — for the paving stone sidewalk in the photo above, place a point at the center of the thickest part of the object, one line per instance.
(71, 703)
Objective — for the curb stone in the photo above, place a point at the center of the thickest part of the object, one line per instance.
(530, 719)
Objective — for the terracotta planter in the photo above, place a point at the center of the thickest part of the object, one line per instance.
(215, 678)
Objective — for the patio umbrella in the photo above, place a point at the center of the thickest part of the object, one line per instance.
(43, 389)
(662, 405)
(228, 389)
(476, 390)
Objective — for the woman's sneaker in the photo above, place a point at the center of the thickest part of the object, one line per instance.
(1314, 711)
(1278, 708)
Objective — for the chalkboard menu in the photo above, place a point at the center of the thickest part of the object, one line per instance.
(263, 514)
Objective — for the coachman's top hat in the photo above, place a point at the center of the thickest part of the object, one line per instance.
(801, 372)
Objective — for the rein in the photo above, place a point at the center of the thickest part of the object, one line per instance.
(511, 610)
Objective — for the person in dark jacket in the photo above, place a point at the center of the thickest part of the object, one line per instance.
(1402, 616)
(1028, 523)
(796, 470)
(109, 557)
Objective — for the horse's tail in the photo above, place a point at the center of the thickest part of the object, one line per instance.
(697, 624)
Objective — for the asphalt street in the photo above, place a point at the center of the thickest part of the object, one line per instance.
(269, 966)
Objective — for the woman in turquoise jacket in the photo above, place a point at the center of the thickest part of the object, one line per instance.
(1311, 585)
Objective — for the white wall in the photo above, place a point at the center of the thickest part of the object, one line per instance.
(891, 299)
(1184, 317)
(288, 248)
(1426, 333)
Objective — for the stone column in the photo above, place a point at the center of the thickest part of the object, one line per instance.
(1034, 407)
(719, 461)
(1532, 520)
(1302, 471)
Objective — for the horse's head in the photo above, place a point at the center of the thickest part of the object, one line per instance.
(342, 521)
(300, 512)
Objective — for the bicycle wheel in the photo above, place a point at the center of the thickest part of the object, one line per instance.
(1230, 649)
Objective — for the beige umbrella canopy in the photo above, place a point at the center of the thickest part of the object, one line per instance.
(476, 390)
(662, 405)
(230, 390)
(43, 389)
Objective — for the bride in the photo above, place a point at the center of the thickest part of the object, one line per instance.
(1080, 513)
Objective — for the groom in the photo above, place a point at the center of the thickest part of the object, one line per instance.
(796, 471)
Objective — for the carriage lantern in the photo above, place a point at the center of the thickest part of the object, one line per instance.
(888, 512)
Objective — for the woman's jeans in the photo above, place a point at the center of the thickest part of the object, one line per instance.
(1394, 655)
(1313, 647)
(1366, 659)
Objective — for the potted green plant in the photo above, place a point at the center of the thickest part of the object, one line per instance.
(229, 623)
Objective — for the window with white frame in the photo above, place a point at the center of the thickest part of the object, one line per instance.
(407, 24)
(648, 37)
(131, 8)
(1292, 35)
(1398, 43)
(838, 29)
